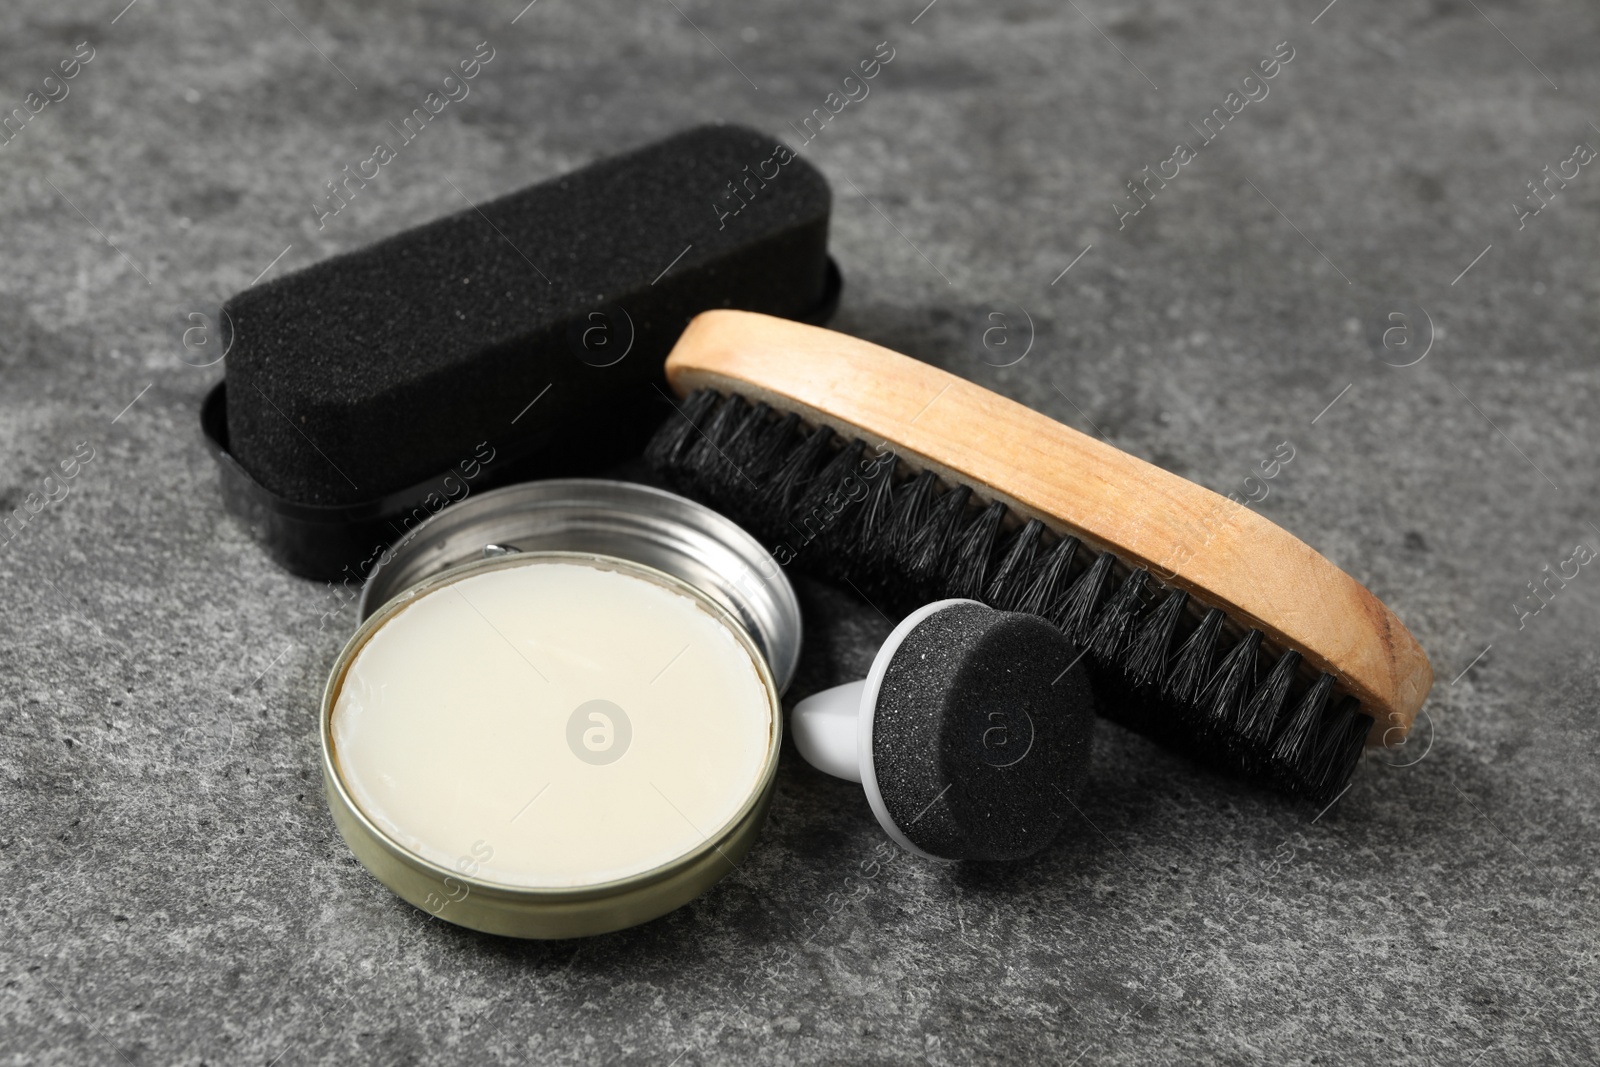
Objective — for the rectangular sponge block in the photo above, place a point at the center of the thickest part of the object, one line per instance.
(375, 370)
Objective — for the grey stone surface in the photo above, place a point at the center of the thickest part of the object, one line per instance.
(171, 887)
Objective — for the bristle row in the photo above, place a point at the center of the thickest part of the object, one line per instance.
(1174, 673)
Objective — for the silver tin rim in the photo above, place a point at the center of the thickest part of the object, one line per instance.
(661, 530)
(519, 911)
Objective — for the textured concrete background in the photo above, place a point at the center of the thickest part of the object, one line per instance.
(173, 890)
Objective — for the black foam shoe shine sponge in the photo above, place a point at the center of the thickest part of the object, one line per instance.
(523, 337)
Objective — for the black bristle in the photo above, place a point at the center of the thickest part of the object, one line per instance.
(678, 433)
(826, 492)
(1295, 746)
(1075, 611)
(1258, 721)
(745, 443)
(908, 519)
(1009, 582)
(778, 494)
(708, 453)
(967, 564)
(1146, 659)
(1115, 626)
(866, 525)
(1344, 734)
(908, 540)
(1224, 696)
(769, 448)
(1049, 578)
(1130, 680)
(1190, 669)
(827, 506)
(920, 565)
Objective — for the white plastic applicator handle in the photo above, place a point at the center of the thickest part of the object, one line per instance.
(833, 728)
(825, 728)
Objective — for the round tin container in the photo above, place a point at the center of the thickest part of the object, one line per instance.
(459, 895)
(635, 522)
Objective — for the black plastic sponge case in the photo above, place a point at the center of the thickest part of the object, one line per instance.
(520, 338)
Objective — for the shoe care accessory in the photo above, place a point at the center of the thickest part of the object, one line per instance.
(970, 735)
(370, 390)
(533, 734)
(1207, 627)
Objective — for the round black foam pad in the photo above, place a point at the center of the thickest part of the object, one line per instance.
(981, 733)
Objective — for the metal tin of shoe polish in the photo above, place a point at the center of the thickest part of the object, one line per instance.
(624, 519)
(634, 529)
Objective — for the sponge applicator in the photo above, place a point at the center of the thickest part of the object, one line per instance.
(970, 735)
(356, 387)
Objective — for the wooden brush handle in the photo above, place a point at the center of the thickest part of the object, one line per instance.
(1221, 552)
